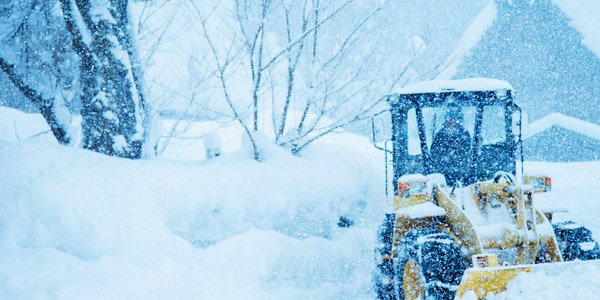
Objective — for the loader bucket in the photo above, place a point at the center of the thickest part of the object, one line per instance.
(489, 280)
(484, 282)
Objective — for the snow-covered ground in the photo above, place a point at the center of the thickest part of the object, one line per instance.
(79, 225)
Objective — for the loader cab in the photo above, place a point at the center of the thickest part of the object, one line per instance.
(464, 129)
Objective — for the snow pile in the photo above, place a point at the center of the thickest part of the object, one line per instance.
(555, 283)
(79, 225)
(16, 125)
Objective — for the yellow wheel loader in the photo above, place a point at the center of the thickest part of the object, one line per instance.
(460, 222)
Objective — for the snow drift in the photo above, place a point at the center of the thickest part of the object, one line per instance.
(79, 225)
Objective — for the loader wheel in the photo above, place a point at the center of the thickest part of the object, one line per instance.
(429, 266)
(384, 272)
(575, 242)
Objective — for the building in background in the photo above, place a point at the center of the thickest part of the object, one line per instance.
(560, 138)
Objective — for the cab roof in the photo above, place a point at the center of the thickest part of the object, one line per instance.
(472, 91)
(458, 85)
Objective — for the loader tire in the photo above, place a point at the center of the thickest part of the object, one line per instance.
(575, 242)
(384, 272)
(429, 266)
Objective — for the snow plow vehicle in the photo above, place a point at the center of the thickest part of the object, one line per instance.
(460, 223)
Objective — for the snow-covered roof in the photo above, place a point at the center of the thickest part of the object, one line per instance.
(470, 38)
(570, 123)
(458, 85)
(584, 17)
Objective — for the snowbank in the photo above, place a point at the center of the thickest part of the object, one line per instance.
(554, 283)
(79, 225)
(16, 125)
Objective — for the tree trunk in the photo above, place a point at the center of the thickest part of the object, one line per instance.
(112, 110)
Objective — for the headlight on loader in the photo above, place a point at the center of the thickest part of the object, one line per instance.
(418, 188)
(412, 188)
(540, 184)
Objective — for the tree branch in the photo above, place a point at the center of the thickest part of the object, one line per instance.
(221, 73)
(303, 36)
(46, 106)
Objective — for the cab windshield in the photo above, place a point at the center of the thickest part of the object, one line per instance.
(449, 135)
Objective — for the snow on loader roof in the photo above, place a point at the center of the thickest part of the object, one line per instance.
(459, 85)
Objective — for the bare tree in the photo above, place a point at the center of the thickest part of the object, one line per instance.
(46, 106)
(299, 24)
(223, 63)
(36, 59)
(313, 67)
(329, 98)
(101, 52)
(293, 58)
(112, 93)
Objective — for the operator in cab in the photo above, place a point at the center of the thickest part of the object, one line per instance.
(451, 148)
